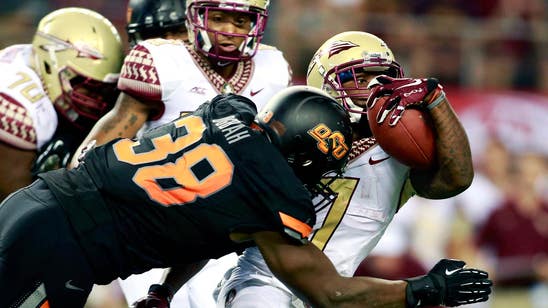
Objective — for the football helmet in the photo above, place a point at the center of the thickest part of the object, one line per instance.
(197, 12)
(78, 55)
(344, 54)
(310, 129)
(153, 18)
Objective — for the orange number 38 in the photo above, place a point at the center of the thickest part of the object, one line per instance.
(190, 185)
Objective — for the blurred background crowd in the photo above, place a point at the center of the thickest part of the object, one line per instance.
(492, 58)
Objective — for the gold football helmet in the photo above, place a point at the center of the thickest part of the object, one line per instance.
(197, 12)
(340, 57)
(78, 56)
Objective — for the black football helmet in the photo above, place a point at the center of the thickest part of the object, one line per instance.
(311, 129)
(153, 18)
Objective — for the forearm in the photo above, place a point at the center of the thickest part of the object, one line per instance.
(370, 292)
(123, 121)
(454, 172)
(312, 277)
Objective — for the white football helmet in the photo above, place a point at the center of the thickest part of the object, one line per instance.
(197, 12)
(78, 56)
(344, 54)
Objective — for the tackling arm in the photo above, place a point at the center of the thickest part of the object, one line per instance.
(123, 121)
(310, 274)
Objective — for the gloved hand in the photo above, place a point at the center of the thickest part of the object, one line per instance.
(403, 93)
(448, 283)
(54, 156)
(159, 296)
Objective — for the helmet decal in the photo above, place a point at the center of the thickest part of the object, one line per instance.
(329, 142)
(84, 50)
(339, 46)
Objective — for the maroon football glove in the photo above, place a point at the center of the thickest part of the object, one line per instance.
(403, 93)
(158, 296)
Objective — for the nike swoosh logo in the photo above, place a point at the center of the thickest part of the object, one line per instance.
(376, 161)
(253, 93)
(414, 83)
(70, 286)
(449, 273)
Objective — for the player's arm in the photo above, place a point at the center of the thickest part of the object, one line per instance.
(454, 171)
(123, 121)
(310, 274)
(15, 168)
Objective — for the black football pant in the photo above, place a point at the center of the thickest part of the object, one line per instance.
(40, 260)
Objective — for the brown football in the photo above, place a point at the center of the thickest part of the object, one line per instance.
(411, 141)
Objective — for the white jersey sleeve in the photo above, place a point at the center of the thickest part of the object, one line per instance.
(27, 116)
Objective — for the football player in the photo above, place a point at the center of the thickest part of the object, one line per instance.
(161, 78)
(192, 189)
(374, 185)
(53, 90)
(155, 19)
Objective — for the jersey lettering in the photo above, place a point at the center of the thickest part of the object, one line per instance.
(201, 171)
(29, 87)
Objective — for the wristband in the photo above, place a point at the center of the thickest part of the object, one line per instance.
(437, 101)
(162, 290)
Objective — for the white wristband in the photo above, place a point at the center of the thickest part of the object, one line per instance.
(437, 101)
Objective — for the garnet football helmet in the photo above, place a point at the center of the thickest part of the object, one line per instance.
(310, 129)
(344, 54)
(78, 56)
(197, 13)
(153, 18)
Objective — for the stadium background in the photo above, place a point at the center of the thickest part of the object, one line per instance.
(491, 56)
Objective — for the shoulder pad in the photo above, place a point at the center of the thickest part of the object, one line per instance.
(16, 124)
(139, 76)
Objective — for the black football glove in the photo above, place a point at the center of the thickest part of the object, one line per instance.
(54, 155)
(450, 284)
(159, 296)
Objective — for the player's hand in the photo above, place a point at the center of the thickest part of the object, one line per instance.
(448, 283)
(158, 296)
(403, 93)
(54, 156)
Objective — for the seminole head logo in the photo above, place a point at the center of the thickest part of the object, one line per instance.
(339, 46)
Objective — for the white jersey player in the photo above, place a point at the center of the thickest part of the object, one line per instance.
(162, 78)
(52, 91)
(374, 184)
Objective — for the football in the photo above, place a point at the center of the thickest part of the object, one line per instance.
(411, 141)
